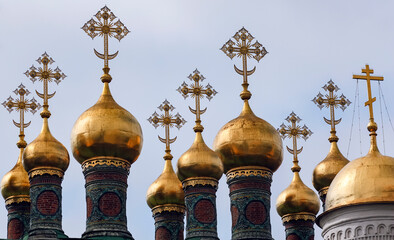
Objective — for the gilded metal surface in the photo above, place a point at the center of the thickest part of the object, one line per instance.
(249, 141)
(166, 120)
(199, 161)
(108, 161)
(16, 182)
(193, 181)
(166, 189)
(45, 74)
(249, 171)
(168, 208)
(106, 130)
(46, 170)
(105, 27)
(17, 199)
(45, 151)
(326, 170)
(323, 192)
(298, 216)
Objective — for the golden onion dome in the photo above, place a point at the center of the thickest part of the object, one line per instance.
(326, 170)
(106, 129)
(249, 141)
(369, 179)
(16, 182)
(45, 151)
(199, 161)
(297, 198)
(167, 189)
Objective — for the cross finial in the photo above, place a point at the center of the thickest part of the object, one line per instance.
(245, 48)
(368, 77)
(21, 105)
(107, 27)
(166, 120)
(332, 101)
(45, 74)
(294, 131)
(197, 91)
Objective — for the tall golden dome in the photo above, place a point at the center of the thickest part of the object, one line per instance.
(106, 129)
(199, 161)
(249, 141)
(166, 189)
(16, 182)
(45, 152)
(297, 198)
(369, 179)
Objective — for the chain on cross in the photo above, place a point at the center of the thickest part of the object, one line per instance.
(166, 120)
(243, 47)
(105, 27)
(294, 131)
(368, 78)
(332, 101)
(45, 74)
(21, 105)
(197, 91)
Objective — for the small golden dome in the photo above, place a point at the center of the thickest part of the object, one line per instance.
(16, 181)
(45, 151)
(106, 129)
(249, 141)
(327, 169)
(368, 179)
(167, 189)
(199, 161)
(297, 198)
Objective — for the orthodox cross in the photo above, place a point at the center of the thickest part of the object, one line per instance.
(21, 105)
(368, 77)
(167, 120)
(243, 47)
(45, 74)
(332, 101)
(294, 131)
(197, 91)
(106, 27)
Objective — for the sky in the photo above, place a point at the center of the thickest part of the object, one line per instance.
(309, 43)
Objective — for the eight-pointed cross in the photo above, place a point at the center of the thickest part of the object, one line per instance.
(197, 91)
(333, 102)
(21, 105)
(45, 74)
(166, 120)
(294, 131)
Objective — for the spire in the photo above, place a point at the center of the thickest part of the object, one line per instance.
(105, 27)
(243, 47)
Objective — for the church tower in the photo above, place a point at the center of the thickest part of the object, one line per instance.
(106, 139)
(251, 150)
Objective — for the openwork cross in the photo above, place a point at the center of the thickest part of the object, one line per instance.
(332, 101)
(167, 120)
(197, 91)
(245, 48)
(368, 77)
(45, 74)
(21, 105)
(294, 131)
(106, 27)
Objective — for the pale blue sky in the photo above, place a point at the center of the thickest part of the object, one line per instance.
(308, 42)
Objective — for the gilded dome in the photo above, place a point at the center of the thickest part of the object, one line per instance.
(106, 129)
(16, 181)
(249, 141)
(167, 189)
(199, 161)
(297, 198)
(368, 179)
(327, 169)
(45, 151)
